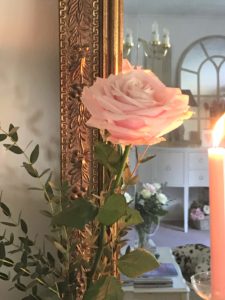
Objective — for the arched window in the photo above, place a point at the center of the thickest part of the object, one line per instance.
(201, 69)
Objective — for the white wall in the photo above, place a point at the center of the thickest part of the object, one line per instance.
(29, 98)
(184, 30)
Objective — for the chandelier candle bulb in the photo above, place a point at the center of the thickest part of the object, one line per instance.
(155, 32)
(129, 39)
(216, 156)
(166, 37)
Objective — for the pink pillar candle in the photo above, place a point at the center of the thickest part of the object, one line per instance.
(217, 221)
(217, 211)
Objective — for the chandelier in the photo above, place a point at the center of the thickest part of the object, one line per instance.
(128, 44)
(155, 48)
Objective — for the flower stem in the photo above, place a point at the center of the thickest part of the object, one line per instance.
(98, 255)
(139, 160)
(124, 160)
(103, 227)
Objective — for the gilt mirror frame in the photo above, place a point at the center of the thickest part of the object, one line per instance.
(91, 34)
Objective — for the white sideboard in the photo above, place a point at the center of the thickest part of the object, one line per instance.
(178, 167)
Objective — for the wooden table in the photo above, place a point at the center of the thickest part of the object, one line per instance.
(179, 290)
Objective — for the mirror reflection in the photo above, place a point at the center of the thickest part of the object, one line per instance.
(183, 43)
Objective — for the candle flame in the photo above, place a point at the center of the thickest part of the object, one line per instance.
(218, 131)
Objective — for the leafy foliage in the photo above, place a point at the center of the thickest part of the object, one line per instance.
(106, 219)
(76, 215)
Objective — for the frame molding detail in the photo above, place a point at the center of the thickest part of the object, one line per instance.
(90, 46)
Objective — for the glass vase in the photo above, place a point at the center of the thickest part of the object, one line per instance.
(145, 234)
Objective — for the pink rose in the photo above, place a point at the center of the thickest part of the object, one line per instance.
(197, 214)
(126, 66)
(135, 107)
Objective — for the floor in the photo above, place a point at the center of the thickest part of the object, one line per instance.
(172, 235)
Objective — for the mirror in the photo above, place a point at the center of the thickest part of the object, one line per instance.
(181, 162)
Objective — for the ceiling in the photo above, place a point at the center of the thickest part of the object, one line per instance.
(176, 7)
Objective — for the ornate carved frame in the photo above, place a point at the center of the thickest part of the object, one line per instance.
(90, 46)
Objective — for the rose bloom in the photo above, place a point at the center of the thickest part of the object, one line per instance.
(146, 194)
(162, 198)
(157, 186)
(150, 187)
(206, 209)
(197, 214)
(135, 107)
(126, 66)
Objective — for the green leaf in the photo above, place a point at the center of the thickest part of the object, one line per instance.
(60, 247)
(113, 209)
(62, 286)
(46, 213)
(8, 224)
(35, 189)
(8, 262)
(24, 258)
(34, 154)
(26, 241)
(2, 137)
(13, 132)
(30, 297)
(137, 262)
(106, 288)
(44, 172)
(133, 217)
(2, 236)
(51, 260)
(146, 159)
(4, 276)
(23, 225)
(10, 241)
(15, 251)
(77, 215)
(2, 250)
(34, 290)
(30, 169)
(13, 148)
(128, 249)
(106, 155)
(48, 191)
(5, 209)
(20, 286)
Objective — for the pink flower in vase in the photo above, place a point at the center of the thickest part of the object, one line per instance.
(197, 214)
